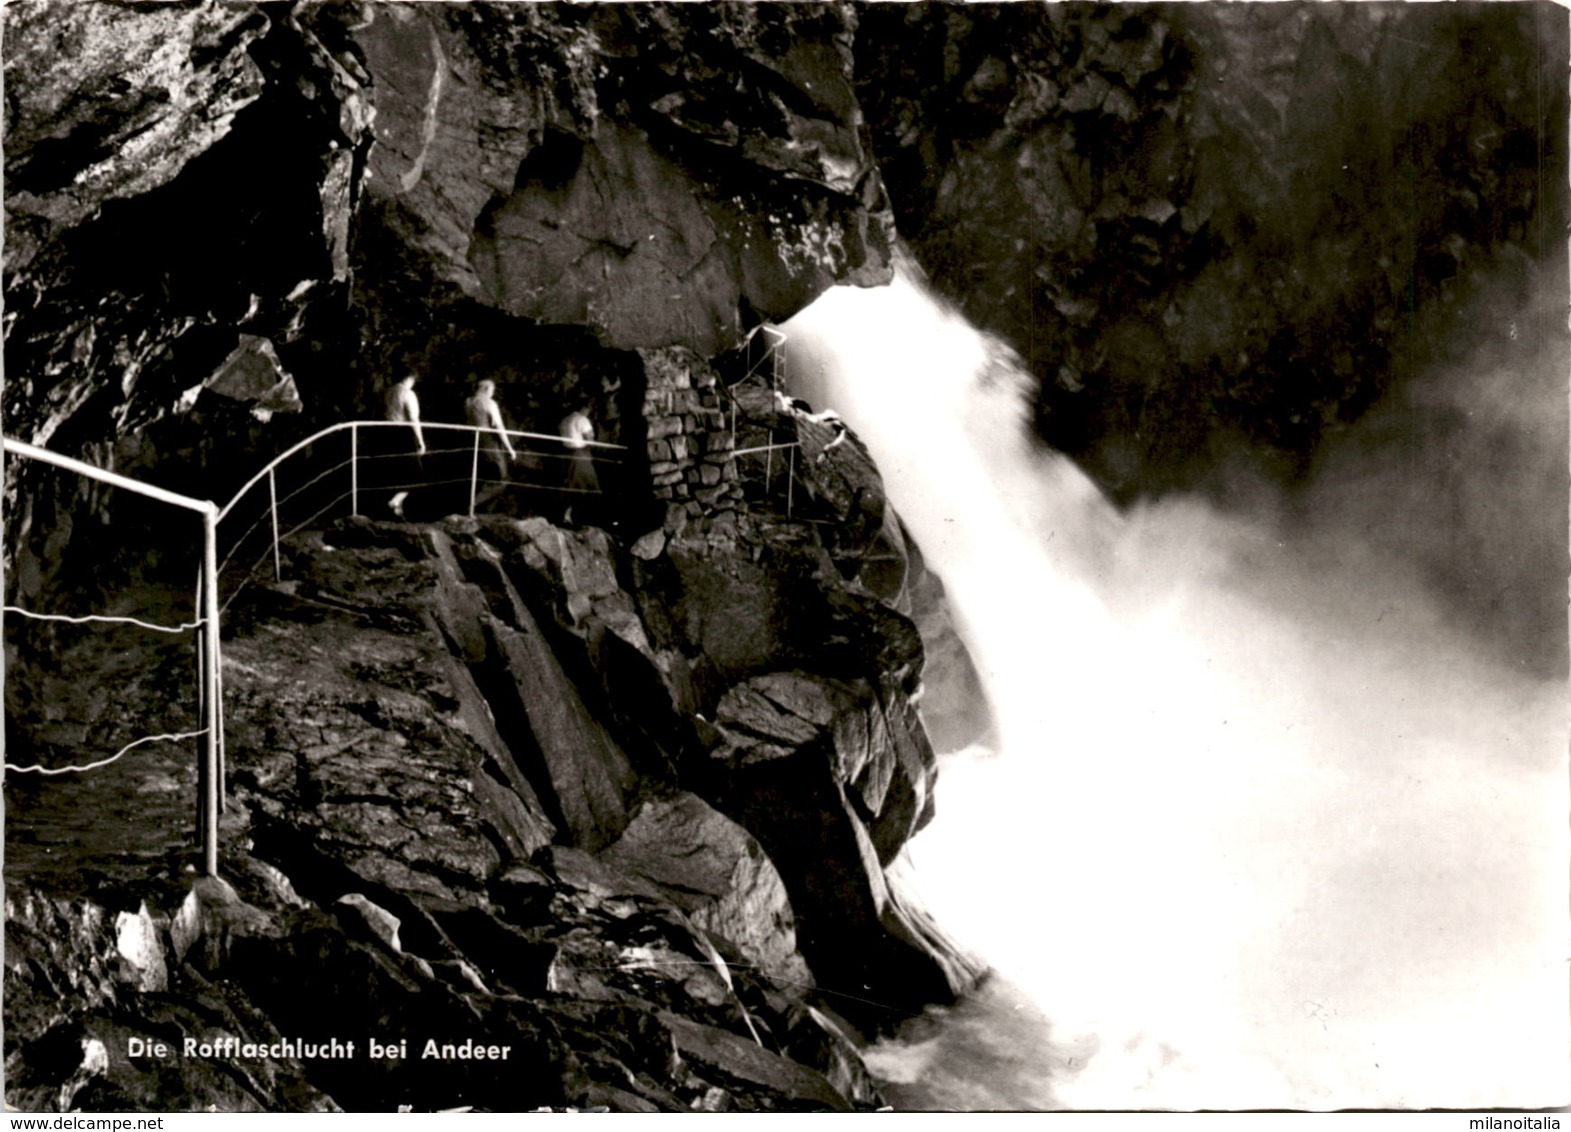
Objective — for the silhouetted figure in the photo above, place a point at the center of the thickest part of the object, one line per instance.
(404, 466)
(482, 411)
(577, 430)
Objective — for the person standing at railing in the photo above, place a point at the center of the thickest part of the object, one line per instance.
(577, 430)
(402, 406)
(482, 411)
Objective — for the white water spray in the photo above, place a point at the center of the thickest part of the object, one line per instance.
(1257, 835)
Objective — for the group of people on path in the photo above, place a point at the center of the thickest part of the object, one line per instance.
(481, 411)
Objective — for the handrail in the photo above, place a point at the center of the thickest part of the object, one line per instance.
(779, 335)
(47, 771)
(92, 471)
(765, 448)
(439, 425)
(96, 618)
(554, 438)
(774, 352)
(210, 770)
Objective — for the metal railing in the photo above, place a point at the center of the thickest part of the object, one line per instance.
(768, 452)
(210, 768)
(772, 361)
(770, 364)
(206, 600)
(319, 482)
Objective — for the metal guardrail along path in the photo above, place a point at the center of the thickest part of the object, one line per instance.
(536, 446)
(206, 598)
(210, 770)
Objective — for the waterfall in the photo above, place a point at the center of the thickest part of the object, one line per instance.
(1262, 829)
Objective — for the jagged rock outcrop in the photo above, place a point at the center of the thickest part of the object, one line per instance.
(868, 542)
(179, 183)
(145, 92)
(635, 169)
(76, 996)
(716, 872)
(439, 828)
(722, 616)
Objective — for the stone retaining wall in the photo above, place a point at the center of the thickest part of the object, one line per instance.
(689, 441)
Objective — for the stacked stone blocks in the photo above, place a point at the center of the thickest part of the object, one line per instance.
(688, 438)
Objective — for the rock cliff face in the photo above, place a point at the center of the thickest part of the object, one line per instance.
(493, 780)
(625, 800)
(316, 173)
(1210, 228)
(1213, 229)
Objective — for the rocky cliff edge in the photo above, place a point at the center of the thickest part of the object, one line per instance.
(627, 815)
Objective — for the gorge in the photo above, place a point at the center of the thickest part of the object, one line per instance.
(725, 795)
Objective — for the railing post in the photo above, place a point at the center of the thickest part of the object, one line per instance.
(201, 662)
(272, 506)
(211, 770)
(354, 469)
(474, 475)
(223, 750)
(790, 479)
(200, 603)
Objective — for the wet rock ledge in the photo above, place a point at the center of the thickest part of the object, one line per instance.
(624, 813)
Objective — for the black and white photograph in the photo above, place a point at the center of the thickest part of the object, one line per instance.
(763, 556)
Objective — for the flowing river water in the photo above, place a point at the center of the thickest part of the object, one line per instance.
(1265, 826)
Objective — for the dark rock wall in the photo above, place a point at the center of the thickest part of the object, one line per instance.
(525, 192)
(706, 171)
(131, 270)
(694, 167)
(473, 796)
(1209, 227)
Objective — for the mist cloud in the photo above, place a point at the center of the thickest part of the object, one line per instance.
(1277, 821)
